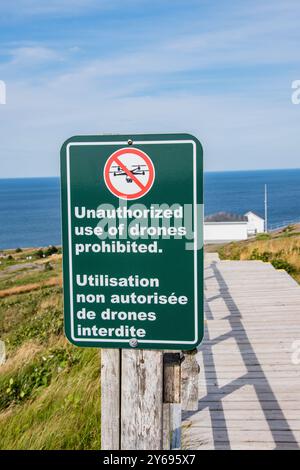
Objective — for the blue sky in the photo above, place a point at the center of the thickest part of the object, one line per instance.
(220, 70)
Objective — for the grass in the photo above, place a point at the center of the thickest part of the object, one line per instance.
(281, 249)
(63, 414)
(49, 389)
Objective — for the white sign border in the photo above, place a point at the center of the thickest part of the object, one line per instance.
(141, 142)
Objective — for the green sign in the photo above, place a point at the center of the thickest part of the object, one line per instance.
(132, 224)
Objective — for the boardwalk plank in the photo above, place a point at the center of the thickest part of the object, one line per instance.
(249, 393)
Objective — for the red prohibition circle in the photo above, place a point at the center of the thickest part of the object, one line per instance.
(114, 158)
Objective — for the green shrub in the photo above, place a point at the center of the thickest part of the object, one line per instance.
(265, 256)
(282, 264)
(39, 253)
(289, 228)
(48, 266)
(254, 255)
(263, 236)
(19, 250)
(51, 250)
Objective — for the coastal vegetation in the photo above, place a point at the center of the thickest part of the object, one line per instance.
(49, 389)
(280, 248)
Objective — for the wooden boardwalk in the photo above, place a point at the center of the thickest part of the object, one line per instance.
(250, 373)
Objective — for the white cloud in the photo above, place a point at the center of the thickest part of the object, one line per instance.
(177, 83)
(237, 131)
(268, 41)
(32, 55)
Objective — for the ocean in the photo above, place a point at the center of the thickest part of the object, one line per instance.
(30, 208)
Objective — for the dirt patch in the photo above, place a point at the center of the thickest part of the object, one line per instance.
(53, 281)
(19, 267)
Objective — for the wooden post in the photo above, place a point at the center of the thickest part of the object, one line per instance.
(190, 381)
(166, 426)
(110, 398)
(172, 377)
(141, 400)
(172, 400)
(175, 426)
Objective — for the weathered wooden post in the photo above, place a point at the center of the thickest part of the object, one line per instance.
(140, 400)
(172, 399)
(190, 381)
(110, 398)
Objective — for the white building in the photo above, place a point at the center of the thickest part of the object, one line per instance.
(224, 227)
(256, 224)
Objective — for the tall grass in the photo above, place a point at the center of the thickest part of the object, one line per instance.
(282, 251)
(49, 389)
(64, 415)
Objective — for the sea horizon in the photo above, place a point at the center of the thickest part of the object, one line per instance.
(205, 171)
(30, 206)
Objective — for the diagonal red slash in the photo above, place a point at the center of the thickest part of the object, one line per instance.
(128, 173)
